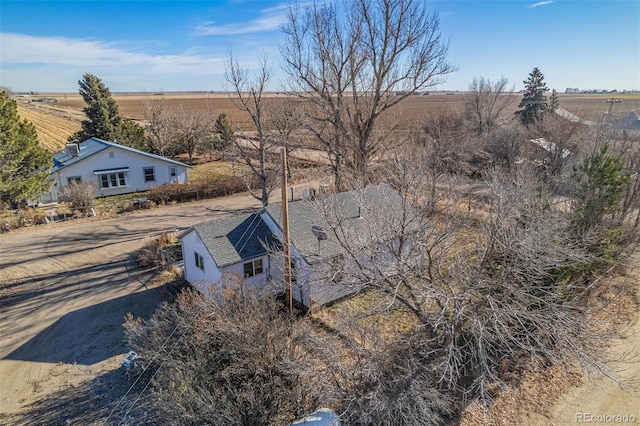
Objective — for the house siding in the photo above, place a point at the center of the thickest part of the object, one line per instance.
(112, 158)
(200, 279)
(210, 279)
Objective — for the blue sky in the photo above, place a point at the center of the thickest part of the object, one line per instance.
(151, 46)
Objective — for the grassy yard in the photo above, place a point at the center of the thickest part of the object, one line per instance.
(216, 170)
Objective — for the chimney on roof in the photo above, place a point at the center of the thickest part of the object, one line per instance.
(73, 149)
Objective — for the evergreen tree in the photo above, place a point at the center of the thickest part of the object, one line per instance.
(131, 134)
(600, 183)
(554, 102)
(534, 101)
(24, 164)
(104, 120)
(225, 130)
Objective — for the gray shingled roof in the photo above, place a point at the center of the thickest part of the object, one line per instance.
(236, 239)
(353, 208)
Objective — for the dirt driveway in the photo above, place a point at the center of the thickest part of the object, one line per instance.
(64, 291)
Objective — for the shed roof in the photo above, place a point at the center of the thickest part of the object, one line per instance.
(236, 239)
(355, 210)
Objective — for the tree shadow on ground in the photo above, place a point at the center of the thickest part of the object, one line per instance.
(100, 401)
(92, 334)
(118, 397)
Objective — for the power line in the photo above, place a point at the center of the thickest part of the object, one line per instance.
(148, 365)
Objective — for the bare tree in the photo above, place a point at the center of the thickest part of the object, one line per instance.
(256, 150)
(487, 101)
(191, 126)
(514, 287)
(159, 128)
(234, 359)
(355, 64)
(505, 144)
(561, 141)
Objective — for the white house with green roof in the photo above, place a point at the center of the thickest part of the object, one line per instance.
(115, 169)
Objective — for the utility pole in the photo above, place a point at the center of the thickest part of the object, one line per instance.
(285, 230)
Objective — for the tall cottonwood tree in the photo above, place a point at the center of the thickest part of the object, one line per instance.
(103, 118)
(353, 65)
(24, 164)
(256, 150)
(159, 126)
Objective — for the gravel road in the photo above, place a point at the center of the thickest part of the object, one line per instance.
(65, 289)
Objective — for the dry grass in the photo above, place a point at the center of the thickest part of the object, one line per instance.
(207, 172)
(159, 253)
(67, 109)
(536, 392)
(53, 126)
(369, 310)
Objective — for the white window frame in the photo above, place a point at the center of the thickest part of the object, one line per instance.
(256, 268)
(113, 180)
(199, 261)
(74, 179)
(153, 174)
(173, 171)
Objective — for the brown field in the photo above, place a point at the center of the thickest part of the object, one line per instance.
(56, 121)
(53, 124)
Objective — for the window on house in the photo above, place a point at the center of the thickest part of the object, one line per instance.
(253, 268)
(199, 262)
(111, 154)
(74, 179)
(173, 172)
(112, 180)
(149, 174)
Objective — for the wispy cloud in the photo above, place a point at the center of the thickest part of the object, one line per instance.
(540, 3)
(27, 59)
(20, 49)
(270, 19)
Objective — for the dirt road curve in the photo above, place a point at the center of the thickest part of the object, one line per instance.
(65, 289)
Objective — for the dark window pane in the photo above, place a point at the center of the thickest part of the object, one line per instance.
(248, 269)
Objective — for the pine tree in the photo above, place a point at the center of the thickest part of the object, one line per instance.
(104, 120)
(554, 102)
(24, 164)
(224, 129)
(534, 102)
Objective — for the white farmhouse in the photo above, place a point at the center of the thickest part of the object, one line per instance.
(249, 247)
(116, 169)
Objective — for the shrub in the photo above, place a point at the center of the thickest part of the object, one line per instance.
(161, 252)
(79, 195)
(206, 189)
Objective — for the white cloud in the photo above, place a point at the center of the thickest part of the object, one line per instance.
(57, 63)
(25, 49)
(269, 20)
(540, 3)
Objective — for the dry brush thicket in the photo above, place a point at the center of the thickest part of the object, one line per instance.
(467, 284)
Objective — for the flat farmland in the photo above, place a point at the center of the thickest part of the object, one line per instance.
(53, 124)
(58, 120)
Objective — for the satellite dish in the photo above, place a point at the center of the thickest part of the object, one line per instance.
(320, 233)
